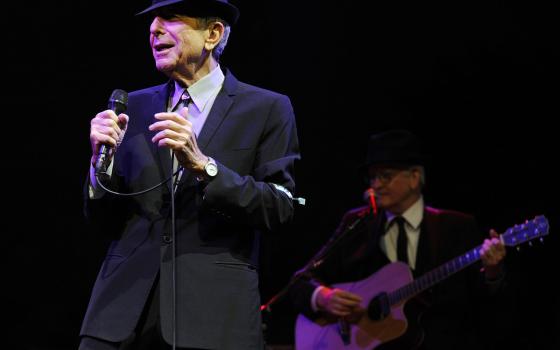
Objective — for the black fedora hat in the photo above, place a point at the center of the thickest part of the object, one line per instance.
(394, 148)
(200, 8)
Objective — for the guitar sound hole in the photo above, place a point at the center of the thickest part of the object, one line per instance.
(379, 307)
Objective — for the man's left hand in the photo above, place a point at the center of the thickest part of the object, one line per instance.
(175, 132)
(492, 254)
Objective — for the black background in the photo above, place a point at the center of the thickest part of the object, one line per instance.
(477, 81)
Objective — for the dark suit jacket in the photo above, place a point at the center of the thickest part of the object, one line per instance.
(251, 133)
(450, 322)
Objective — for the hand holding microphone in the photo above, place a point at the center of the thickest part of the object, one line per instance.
(107, 131)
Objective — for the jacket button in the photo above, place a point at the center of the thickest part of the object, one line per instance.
(166, 238)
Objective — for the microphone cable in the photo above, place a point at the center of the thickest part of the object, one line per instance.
(177, 175)
(178, 171)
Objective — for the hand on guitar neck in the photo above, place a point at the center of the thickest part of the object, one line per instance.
(492, 253)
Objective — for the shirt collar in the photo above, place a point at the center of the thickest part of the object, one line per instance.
(412, 215)
(203, 90)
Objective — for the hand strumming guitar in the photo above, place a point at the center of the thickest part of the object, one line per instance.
(340, 303)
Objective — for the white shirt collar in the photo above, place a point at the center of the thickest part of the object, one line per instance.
(203, 90)
(412, 215)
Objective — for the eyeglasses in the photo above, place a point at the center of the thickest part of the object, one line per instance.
(386, 175)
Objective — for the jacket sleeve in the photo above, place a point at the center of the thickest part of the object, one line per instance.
(262, 199)
(105, 212)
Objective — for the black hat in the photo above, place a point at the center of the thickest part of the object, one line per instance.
(394, 148)
(200, 8)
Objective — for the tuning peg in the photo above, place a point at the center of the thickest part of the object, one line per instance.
(518, 248)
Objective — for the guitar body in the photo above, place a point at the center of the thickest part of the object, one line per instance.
(366, 333)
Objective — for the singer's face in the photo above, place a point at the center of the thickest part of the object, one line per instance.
(395, 189)
(177, 43)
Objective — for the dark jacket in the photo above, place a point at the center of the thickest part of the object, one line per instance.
(251, 133)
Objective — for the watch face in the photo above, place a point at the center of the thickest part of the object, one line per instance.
(211, 169)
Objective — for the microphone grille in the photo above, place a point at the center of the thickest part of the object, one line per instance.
(119, 96)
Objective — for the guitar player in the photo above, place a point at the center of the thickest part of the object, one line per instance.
(406, 229)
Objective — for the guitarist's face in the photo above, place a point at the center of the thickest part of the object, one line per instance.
(396, 189)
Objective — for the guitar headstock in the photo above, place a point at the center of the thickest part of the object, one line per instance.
(519, 234)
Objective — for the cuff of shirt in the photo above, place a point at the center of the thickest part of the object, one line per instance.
(314, 296)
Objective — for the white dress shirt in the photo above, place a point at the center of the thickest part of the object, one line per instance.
(413, 218)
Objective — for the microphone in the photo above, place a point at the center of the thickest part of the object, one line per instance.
(117, 103)
(369, 197)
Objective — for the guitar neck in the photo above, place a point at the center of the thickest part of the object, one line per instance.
(434, 276)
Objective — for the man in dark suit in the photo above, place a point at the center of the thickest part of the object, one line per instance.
(182, 266)
(407, 230)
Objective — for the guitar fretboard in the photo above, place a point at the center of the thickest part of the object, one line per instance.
(434, 276)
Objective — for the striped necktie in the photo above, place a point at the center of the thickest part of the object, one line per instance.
(184, 101)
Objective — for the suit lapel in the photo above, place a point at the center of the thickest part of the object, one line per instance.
(376, 230)
(426, 257)
(217, 114)
(159, 104)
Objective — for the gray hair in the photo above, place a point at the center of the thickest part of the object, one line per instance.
(219, 49)
(422, 171)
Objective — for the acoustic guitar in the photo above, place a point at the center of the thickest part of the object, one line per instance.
(384, 296)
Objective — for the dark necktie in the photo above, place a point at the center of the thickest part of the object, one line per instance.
(402, 240)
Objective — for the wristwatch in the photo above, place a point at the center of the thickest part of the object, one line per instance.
(210, 170)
